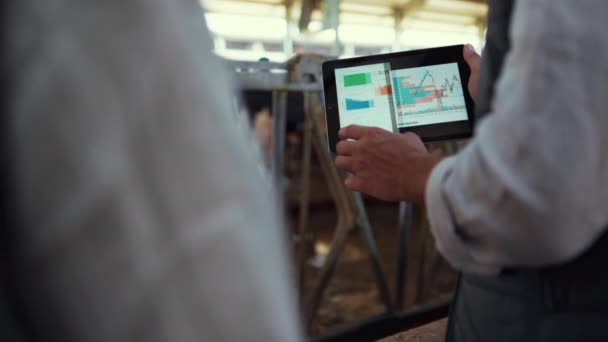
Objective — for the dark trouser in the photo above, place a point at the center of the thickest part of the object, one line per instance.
(568, 302)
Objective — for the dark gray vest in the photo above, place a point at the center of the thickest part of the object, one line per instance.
(567, 302)
(14, 320)
(496, 47)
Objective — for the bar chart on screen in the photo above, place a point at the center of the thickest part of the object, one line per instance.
(428, 95)
(352, 104)
(365, 96)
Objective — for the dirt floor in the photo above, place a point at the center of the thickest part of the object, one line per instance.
(352, 294)
(433, 332)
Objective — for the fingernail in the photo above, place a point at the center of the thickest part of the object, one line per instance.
(470, 48)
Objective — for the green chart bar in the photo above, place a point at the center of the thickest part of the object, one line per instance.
(357, 79)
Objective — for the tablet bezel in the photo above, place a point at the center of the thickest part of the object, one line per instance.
(401, 60)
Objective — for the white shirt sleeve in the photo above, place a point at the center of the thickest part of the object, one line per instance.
(529, 188)
(145, 214)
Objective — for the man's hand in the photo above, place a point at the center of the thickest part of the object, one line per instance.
(389, 166)
(473, 60)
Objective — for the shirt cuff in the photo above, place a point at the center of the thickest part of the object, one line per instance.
(444, 227)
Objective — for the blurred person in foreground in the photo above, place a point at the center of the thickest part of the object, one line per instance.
(522, 210)
(134, 207)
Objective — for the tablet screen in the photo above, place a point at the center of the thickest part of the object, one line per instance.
(389, 98)
(419, 91)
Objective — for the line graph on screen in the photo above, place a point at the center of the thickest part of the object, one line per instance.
(432, 89)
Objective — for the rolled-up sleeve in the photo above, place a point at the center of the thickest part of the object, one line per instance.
(527, 191)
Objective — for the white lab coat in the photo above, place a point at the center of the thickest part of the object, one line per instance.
(145, 216)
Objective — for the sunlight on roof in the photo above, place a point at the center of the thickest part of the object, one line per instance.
(252, 29)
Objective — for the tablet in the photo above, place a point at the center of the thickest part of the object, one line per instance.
(421, 91)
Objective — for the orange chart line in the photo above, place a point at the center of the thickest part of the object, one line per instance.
(384, 90)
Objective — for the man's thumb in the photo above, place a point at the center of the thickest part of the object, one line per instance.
(471, 57)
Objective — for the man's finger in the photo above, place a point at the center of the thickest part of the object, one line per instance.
(353, 132)
(346, 147)
(354, 183)
(344, 163)
(473, 60)
(471, 57)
